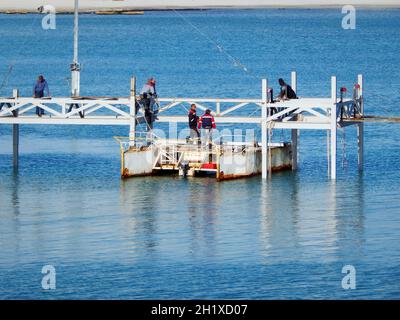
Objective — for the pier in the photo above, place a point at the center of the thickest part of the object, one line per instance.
(304, 113)
(225, 157)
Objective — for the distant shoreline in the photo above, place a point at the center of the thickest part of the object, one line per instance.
(127, 10)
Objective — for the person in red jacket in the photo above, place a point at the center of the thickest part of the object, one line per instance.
(207, 124)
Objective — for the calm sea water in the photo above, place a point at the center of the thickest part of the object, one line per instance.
(166, 237)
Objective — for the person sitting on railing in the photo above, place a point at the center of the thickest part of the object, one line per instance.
(207, 124)
(148, 96)
(193, 123)
(38, 92)
(287, 91)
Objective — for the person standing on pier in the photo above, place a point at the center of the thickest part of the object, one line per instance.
(39, 89)
(148, 97)
(287, 91)
(207, 124)
(193, 123)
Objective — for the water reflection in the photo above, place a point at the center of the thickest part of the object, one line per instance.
(279, 215)
(153, 209)
(15, 194)
(140, 205)
(311, 222)
(202, 211)
(350, 217)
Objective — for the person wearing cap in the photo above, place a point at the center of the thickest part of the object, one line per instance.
(207, 124)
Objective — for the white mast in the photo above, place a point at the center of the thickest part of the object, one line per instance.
(75, 67)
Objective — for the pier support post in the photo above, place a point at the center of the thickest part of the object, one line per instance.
(264, 141)
(15, 132)
(295, 132)
(293, 82)
(333, 133)
(294, 148)
(360, 126)
(132, 113)
(360, 138)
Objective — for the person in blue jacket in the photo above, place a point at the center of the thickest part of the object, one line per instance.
(40, 88)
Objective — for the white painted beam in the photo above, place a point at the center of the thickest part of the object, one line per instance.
(132, 113)
(264, 141)
(333, 134)
(360, 142)
(15, 133)
(360, 126)
(293, 81)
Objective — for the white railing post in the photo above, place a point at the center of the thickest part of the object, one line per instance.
(295, 132)
(360, 126)
(264, 142)
(293, 82)
(15, 133)
(333, 129)
(218, 108)
(132, 113)
(360, 82)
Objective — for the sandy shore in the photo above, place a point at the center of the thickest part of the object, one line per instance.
(94, 5)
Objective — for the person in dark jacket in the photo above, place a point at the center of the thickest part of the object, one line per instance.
(148, 96)
(286, 91)
(39, 89)
(193, 123)
(207, 124)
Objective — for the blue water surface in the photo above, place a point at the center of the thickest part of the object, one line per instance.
(168, 237)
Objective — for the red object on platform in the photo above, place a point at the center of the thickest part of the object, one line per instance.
(357, 86)
(209, 166)
(343, 89)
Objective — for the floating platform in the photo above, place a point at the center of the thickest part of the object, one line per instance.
(228, 160)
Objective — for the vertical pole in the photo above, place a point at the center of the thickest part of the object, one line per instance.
(75, 67)
(218, 108)
(360, 91)
(294, 148)
(76, 28)
(293, 82)
(264, 142)
(132, 113)
(333, 127)
(360, 138)
(15, 134)
(295, 132)
(328, 150)
(360, 126)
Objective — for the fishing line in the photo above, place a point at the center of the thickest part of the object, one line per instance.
(236, 62)
(12, 62)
